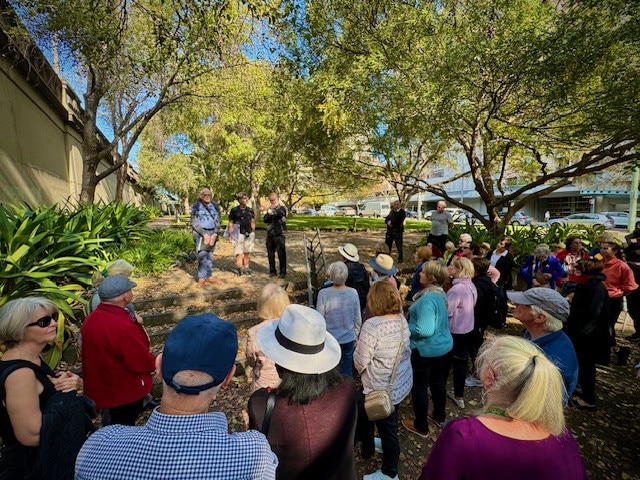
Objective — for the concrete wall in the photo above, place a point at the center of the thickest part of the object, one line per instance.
(40, 132)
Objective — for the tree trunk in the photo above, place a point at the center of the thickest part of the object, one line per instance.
(121, 177)
(90, 159)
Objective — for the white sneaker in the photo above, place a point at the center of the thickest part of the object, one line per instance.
(377, 442)
(378, 475)
(472, 381)
(458, 401)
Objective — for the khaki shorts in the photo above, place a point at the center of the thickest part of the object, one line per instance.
(244, 244)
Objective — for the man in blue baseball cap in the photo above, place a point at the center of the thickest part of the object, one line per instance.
(182, 439)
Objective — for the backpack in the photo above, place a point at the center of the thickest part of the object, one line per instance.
(66, 424)
(488, 310)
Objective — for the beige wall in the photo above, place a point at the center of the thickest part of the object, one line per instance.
(40, 151)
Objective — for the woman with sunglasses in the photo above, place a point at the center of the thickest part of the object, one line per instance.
(26, 326)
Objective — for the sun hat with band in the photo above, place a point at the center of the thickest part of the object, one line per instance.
(203, 343)
(383, 264)
(349, 251)
(299, 341)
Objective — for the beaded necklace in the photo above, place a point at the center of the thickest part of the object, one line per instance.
(497, 411)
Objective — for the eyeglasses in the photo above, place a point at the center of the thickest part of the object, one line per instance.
(205, 195)
(42, 322)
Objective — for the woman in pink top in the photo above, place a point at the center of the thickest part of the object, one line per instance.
(271, 303)
(462, 298)
(517, 435)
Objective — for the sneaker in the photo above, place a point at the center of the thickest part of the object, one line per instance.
(472, 381)
(458, 401)
(439, 423)
(247, 271)
(201, 282)
(378, 475)
(377, 443)
(215, 281)
(408, 424)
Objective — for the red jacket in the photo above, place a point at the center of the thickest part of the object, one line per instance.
(620, 280)
(117, 365)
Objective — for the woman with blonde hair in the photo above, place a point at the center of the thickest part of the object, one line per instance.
(382, 349)
(272, 301)
(516, 435)
(462, 298)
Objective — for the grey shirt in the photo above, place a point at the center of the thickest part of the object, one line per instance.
(440, 223)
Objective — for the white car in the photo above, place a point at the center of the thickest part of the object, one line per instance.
(587, 219)
(620, 219)
(456, 213)
(327, 211)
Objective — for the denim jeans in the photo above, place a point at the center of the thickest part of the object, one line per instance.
(205, 264)
(427, 372)
(346, 362)
(457, 360)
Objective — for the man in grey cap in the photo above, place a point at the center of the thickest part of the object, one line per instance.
(182, 439)
(543, 311)
(117, 365)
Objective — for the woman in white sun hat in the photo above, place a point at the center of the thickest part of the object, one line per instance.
(312, 422)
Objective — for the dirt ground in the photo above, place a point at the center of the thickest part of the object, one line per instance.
(609, 439)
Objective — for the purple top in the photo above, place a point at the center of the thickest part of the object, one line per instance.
(462, 298)
(467, 449)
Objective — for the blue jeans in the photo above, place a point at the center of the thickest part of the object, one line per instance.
(427, 372)
(346, 361)
(205, 264)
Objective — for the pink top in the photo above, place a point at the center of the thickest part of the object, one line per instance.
(462, 298)
(620, 280)
(264, 372)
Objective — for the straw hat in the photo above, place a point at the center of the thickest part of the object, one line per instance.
(350, 252)
(383, 264)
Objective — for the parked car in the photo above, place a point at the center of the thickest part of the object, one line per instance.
(346, 212)
(520, 218)
(308, 211)
(375, 209)
(587, 219)
(457, 213)
(411, 213)
(620, 219)
(327, 211)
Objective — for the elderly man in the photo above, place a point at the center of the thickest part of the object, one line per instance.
(205, 225)
(541, 269)
(543, 311)
(441, 222)
(395, 228)
(464, 242)
(117, 365)
(181, 439)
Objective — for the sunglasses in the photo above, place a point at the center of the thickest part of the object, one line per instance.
(42, 322)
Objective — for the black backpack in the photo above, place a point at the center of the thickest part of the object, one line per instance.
(66, 424)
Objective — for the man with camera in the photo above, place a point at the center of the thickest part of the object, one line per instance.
(242, 231)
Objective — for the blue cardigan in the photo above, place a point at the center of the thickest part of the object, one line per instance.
(429, 324)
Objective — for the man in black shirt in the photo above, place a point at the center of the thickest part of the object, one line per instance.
(395, 228)
(242, 232)
(276, 220)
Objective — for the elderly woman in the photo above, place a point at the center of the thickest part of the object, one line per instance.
(541, 269)
(421, 255)
(117, 267)
(462, 298)
(430, 342)
(382, 358)
(311, 423)
(272, 301)
(26, 326)
(516, 435)
(340, 307)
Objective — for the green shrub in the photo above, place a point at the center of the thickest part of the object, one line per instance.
(158, 250)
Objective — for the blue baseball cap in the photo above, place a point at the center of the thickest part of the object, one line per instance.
(204, 343)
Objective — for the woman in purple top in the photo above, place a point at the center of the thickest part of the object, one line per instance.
(461, 299)
(517, 436)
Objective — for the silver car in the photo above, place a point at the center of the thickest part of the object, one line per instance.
(620, 219)
(587, 219)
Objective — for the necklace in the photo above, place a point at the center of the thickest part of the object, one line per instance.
(497, 411)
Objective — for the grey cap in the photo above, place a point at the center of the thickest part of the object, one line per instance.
(114, 286)
(546, 299)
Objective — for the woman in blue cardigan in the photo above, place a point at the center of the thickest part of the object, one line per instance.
(430, 342)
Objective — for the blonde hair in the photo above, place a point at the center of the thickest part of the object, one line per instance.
(527, 385)
(464, 266)
(436, 271)
(449, 246)
(117, 267)
(383, 299)
(272, 301)
(16, 314)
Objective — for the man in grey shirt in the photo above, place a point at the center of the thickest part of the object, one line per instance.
(441, 221)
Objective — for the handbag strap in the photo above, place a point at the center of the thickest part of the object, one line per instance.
(395, 364)
(271, 403)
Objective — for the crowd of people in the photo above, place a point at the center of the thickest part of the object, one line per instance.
(327, 379)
